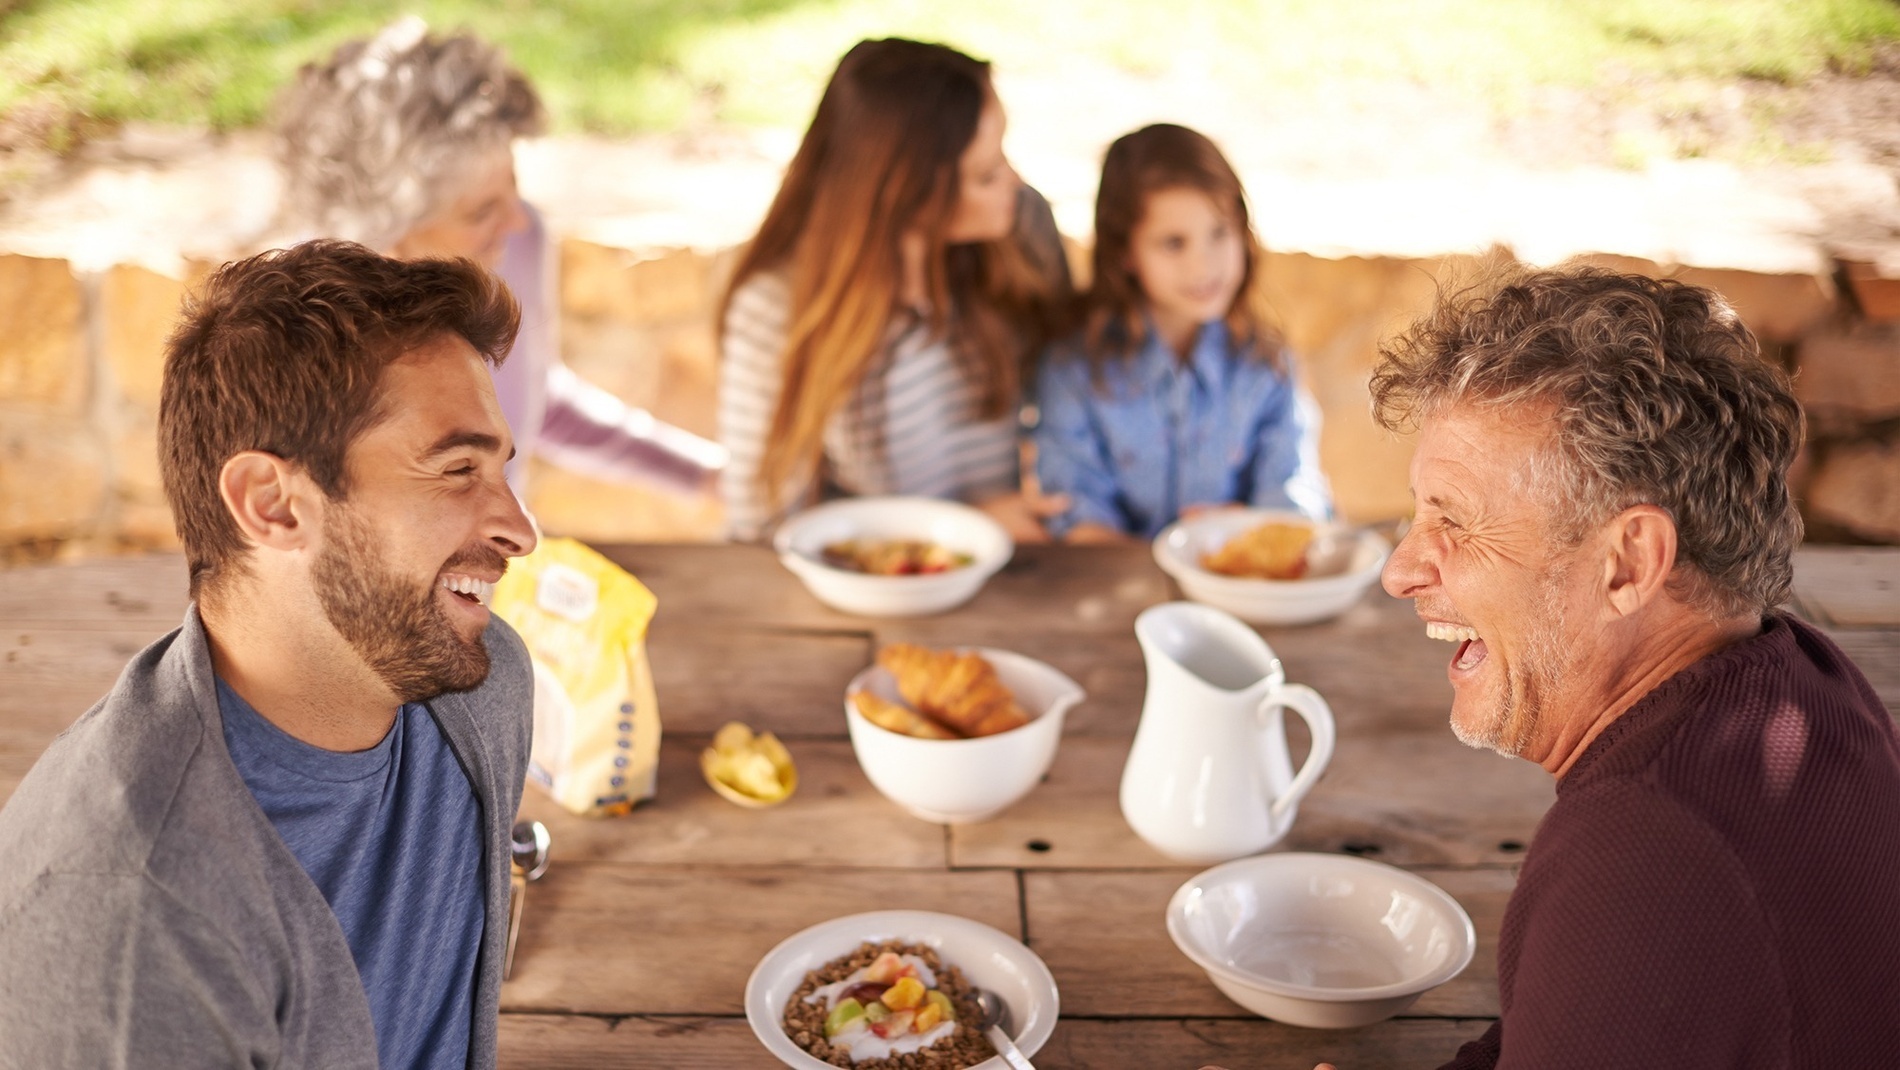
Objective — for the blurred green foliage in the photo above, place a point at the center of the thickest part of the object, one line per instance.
(614, 66)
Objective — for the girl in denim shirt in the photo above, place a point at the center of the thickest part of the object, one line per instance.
(1172, 397)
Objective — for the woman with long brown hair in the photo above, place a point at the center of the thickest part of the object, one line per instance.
(874, 336)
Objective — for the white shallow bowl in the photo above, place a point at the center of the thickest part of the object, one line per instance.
(1326, 941)
(1181, 545)
(801, 541)
(988, 958)
(957, 781)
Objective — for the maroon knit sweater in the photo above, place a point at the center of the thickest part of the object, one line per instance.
(1718, 882)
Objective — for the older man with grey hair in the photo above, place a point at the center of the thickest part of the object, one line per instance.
(403, 141)
(1604, 529)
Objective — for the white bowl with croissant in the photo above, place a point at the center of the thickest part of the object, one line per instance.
(1335, 564)
(842, 551)
(961, 780)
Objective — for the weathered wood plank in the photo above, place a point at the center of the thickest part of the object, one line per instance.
(1848, 586)
(66, 668)
(1090, 926)
(792, 683)
(568, 1042)
(786, 682)
(607, 938)
(1423, 798)
(726, 583)
(578, 1042)
(686, 823)
(1877, 655)
(1407, 798)
(1253, 1044)
(49, 676)
(119, 590)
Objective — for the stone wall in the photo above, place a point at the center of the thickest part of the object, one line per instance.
(80, 358)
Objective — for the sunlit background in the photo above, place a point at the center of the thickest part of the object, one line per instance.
(1755, 142)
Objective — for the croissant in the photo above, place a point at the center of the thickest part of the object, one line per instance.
(959, 690)
(1270, 551)
(898, 718)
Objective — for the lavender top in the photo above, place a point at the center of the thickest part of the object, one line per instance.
(561, 417)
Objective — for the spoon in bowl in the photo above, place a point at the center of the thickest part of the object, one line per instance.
(996, 1025)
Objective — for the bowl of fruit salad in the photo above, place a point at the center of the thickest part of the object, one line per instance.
(876, 987)
(893, 557)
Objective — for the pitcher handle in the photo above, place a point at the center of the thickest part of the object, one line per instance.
(1318, 716)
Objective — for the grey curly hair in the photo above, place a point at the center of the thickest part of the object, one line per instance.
(1659, 396)
(373, 139)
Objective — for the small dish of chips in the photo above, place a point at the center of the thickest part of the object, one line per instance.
(1271, 566)
(753, 770)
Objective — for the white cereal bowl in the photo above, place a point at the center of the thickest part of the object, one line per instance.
(801, 541)
(958, 781)
(1325, 941)
(1181, 545)
(988, 958)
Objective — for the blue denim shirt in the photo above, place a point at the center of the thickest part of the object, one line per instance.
(1155, 434)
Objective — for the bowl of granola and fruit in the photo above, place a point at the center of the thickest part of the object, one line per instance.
(956, 736)
(1270, 566)
(893, 557)
(896, 988)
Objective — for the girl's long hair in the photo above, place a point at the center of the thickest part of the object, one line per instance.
(881, 159)
(1139, 165)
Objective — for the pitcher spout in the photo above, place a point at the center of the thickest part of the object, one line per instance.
(1212, 647)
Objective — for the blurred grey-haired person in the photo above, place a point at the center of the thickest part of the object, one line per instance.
(403, 141)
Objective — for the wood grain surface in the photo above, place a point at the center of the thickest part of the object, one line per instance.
(610, 938)
(572, 1042)
(636, 946)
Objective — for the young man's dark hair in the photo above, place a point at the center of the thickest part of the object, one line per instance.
(284, 352)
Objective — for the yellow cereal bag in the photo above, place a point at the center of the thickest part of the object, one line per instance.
(596, 724)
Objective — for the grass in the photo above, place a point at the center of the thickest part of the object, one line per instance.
(70, 67)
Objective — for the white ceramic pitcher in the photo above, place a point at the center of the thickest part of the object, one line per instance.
(1209, 778)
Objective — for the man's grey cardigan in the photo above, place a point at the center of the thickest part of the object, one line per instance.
(150, 916)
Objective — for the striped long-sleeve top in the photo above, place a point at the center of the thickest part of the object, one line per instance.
(912, 427)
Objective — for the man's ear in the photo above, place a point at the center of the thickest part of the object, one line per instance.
(271, 500)
(1639, 554)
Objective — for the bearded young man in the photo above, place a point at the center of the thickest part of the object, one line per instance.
(282, 839)
(1604, 528)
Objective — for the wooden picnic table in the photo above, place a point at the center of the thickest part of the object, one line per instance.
(636, 945)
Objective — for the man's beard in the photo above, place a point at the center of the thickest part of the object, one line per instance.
(1512, 726)
(399, 631)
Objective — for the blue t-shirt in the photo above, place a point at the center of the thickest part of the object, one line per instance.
(392, 838)
(1154, 434)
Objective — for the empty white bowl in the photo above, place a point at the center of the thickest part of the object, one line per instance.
(957, 781)
(801, 541)
(1181, 545)
(988, 958)
(1327, 941)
